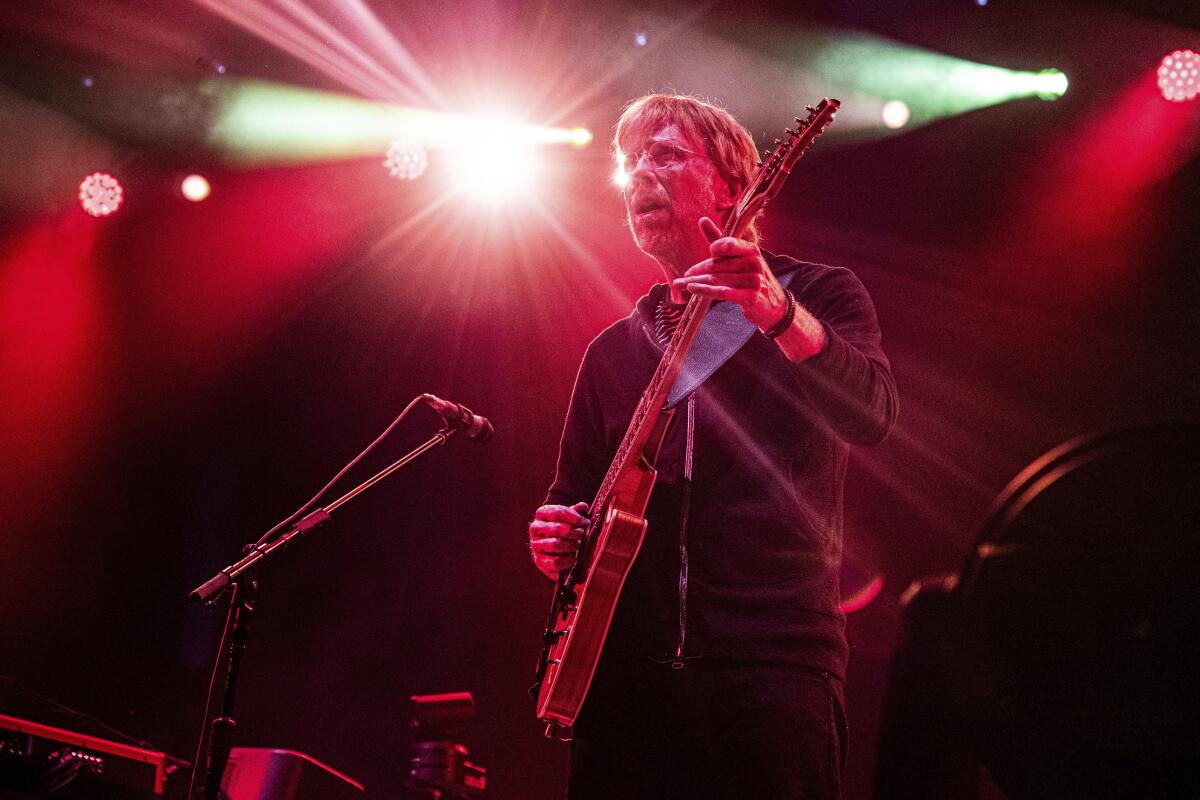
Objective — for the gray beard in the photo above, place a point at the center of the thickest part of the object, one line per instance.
(666, 244)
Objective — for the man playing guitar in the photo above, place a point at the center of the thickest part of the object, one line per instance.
(721, 675)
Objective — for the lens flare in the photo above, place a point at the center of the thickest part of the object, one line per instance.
(495, 170)
(620, 177)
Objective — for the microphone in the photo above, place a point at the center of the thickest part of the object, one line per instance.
(461, 418)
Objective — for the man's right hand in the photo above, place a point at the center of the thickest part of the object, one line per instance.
(554, 537)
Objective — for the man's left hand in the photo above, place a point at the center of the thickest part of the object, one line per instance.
(737, 272)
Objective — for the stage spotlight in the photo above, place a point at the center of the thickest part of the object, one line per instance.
(195, 188)
(100, 194)
(494, 171)
(895, 114)
(1179, 75)
(580, 137)
(406, 160)
(639, 39)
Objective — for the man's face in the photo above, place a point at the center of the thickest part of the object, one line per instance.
(664, 204)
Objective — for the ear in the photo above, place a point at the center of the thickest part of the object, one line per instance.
(726, 194)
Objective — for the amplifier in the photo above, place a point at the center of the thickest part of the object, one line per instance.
(37, 760)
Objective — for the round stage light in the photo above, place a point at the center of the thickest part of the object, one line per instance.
(1179, 75)
(100, 194)
(895, 114)
(406, 160)
(195, 188)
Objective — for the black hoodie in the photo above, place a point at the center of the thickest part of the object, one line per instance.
(741, 561)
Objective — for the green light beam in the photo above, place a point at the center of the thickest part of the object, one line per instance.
(259, 121)
(932, 84)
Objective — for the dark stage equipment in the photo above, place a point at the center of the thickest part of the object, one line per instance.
(40, 761)
(269, 774)
(238, 580)
(438, 766)
(1063, 657)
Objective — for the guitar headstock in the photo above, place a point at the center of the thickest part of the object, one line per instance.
(778, 163)
(787, 152)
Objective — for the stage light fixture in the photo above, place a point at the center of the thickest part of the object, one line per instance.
(195, 188)
(100, 194)
(1179, 75)
(895, 114)
(639, 39)
(406, 160)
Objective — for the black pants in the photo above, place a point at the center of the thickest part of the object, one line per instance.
(714, 729)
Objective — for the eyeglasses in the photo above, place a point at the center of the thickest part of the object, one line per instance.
(661, 155)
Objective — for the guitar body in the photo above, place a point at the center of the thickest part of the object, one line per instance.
(571, 660)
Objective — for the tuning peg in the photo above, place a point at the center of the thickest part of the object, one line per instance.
(778, 142)
(810, 109)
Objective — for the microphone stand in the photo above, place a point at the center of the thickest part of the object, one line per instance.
(237, 580)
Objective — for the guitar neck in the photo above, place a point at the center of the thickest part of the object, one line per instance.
(654, 398)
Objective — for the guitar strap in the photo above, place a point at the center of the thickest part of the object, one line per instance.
(722, 333)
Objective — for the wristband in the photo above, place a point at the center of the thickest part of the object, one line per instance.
(776, 330)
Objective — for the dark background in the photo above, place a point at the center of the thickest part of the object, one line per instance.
(179, 377)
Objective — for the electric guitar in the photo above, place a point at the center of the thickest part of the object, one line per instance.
(586, 595)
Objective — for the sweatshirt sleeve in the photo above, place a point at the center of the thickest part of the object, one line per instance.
(582, 459)
(850, 381)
